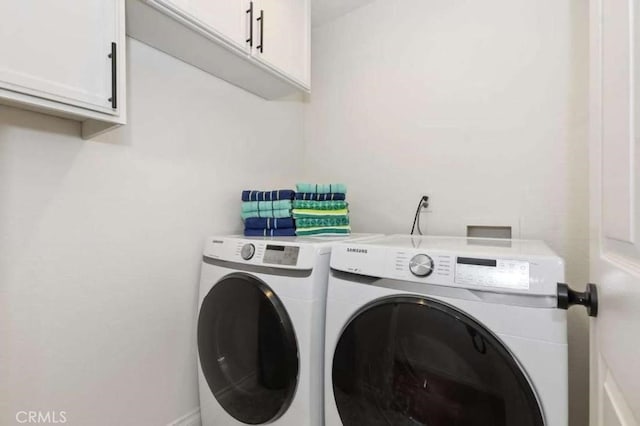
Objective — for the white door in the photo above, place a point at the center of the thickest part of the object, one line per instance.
(228, 19)
(59, 50)
(282, 34)
(615, 211)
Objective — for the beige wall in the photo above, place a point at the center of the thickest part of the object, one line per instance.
(101, 241)
(480, 105)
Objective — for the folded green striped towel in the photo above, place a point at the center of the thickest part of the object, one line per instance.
(249, 206)
(324, 230)
(310, 222)
(299, 213)
(322, 188)
(267, 213)
(320, 205)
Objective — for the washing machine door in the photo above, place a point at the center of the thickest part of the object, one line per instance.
(414, 361)
(247, 348)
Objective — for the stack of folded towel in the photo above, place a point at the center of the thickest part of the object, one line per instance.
(268, 213)
(321, 209)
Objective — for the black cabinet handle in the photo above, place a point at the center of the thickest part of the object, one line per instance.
(260, 47)
(250, 12)
(114, 76)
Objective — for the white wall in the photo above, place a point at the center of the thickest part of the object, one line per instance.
(479, 104)
(100, 241)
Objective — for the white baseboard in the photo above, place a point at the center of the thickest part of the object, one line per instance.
(192, 418)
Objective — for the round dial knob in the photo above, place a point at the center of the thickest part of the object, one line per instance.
(421, 265)
(248, 250)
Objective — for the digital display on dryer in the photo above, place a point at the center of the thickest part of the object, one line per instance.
(281, 255)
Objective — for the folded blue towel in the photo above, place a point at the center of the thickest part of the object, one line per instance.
(269, 223)
(284, 232)
(278, 194)
(320, 197)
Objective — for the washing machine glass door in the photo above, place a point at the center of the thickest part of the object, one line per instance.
(247, 348)
(414, 361)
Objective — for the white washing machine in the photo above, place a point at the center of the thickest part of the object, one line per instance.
(439, 331)
(261, 329)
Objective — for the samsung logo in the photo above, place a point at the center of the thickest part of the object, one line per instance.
(356, 250)
(217, 242)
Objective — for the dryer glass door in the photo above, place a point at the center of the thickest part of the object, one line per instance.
(247, 348)
(415, 361)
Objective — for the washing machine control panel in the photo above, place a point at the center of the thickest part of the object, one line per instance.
(421, 265)
(438, 268)
(408, 263)
(464, 271)
(519, 266)
(501, 273)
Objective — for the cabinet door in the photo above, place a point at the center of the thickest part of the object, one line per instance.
(227, 18)
(58, 50)
(282, 37)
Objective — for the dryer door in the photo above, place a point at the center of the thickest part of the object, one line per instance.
(247, 348)
(416, 361)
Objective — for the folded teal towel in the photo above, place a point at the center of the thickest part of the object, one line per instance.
(250, 206)
(326, 188)
(266, 213)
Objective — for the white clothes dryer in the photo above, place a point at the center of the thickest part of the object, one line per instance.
(260, 329)
(439, 331)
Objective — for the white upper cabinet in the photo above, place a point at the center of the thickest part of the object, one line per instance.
(282, 34)
(261, 46)
(65, 57)
(225, 18)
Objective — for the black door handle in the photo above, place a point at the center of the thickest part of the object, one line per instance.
(260, 47)
(568, 297)
(114, 76)
(250, 12)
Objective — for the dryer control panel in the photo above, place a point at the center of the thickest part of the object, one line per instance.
(274, 254)
(281, 255)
